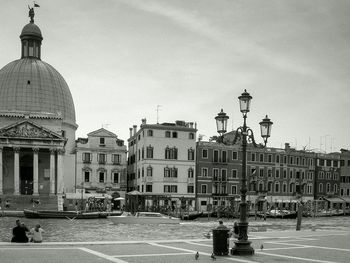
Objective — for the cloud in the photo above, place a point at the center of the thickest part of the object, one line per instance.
(192, 21)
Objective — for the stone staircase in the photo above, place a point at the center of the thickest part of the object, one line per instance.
(20, 202)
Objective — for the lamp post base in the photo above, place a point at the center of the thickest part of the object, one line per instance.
(242, 248)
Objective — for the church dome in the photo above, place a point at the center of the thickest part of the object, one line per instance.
(29, 85)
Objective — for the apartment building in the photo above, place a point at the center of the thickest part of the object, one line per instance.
(161, 164)
(101, 162)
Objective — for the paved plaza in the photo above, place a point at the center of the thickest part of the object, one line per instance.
(278, 246)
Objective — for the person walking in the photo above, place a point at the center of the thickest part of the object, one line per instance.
(19, 233)
(36, 234)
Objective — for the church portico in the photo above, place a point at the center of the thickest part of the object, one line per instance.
(32, 160)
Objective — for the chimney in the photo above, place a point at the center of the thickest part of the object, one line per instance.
(191, 125)
(130, 131)
(286, 146)
(143, 121)
(135, 128)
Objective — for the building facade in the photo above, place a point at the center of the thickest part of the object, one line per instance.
(37, 124)
(101, 160)
(161, 163)
(275, 177)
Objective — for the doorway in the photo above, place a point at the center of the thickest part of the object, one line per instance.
(26, 178)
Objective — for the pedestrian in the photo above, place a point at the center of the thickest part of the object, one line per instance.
(221, 225)
(36, 234)
(19, 233)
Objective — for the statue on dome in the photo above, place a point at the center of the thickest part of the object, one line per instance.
(31, 14)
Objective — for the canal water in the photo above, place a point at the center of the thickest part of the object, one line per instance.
(62, 230)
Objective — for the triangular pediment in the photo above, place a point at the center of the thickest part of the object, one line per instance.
(29, 130)
(102, 133)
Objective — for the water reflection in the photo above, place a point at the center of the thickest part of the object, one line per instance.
(104, 230)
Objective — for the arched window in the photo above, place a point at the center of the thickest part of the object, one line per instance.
(190, 173)
(277, 187)
(171, 153)
(320, 188)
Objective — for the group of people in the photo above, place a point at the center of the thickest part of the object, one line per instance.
(22, 234)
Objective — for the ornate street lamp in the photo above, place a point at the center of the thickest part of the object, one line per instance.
(242, 245)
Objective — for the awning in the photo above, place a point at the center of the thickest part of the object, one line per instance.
(334, 199)
(346, 199)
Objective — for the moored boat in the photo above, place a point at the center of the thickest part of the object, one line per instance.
(191, 215)
(63, 214)
(144, 218)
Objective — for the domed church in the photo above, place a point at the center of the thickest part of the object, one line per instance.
(37, 125)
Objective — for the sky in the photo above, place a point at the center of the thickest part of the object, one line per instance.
(124, 59)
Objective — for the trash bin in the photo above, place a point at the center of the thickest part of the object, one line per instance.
(220, 242)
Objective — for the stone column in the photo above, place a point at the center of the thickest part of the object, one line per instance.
(52, 172)
(16, 171)
(35, 171)
(1, 174)
(60, 183)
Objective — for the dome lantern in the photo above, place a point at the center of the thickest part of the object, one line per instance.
(31, 38)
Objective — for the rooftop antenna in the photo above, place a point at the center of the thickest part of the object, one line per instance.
(158, 109)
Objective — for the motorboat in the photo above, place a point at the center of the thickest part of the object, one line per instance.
(144, 218)
(63, 214)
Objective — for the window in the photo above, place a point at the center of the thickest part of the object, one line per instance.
(269, 158)
(291, 188)
(170, 172)
(143, 153)
(277, 173)
(149, 188)
(329, 163)
(203, 188)
(190, 173)
(102, 141)
(143, 172)
(116, 178)
(204, 172)
(216, 156)
(321, 162)
(234, 155)
(261, 157)
(167, 134)
(253, 157)
(215, 174)
(149, 152)
(101, 176)
(190, 189)
(171, 153)
(320, 188)
(87, 157)
(224, 156)
(284, 174)
(335, 188)
(269, 173)
(150, 133)
(116, 158)
(101, 158)
(174, 134)
(149, 171)
(170, 188)
(277, 158)
(191, 136)
(204, 153)
(234, 189)
(234, 173)
(190, 154)
(223, 175)
(261, 173)
(87, 176)
(284, 187)
(328, 185)
(277, 187)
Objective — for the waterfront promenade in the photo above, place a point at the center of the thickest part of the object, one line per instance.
(278, 246)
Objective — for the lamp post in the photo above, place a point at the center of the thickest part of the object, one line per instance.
(245, 134)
